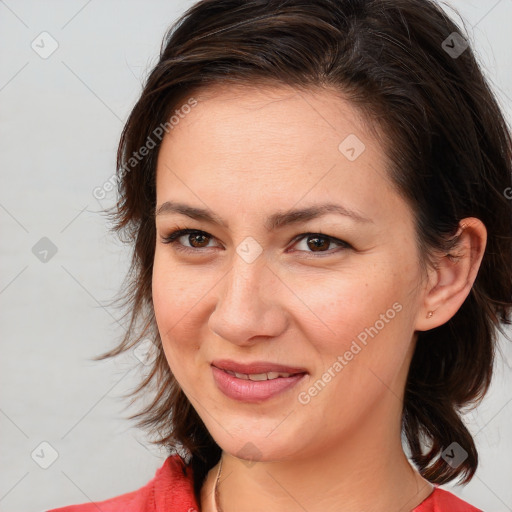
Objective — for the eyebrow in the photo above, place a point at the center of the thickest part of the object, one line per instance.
(273, 222)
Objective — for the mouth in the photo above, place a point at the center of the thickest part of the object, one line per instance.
(255, 382)
(256, 368)
(259, 376)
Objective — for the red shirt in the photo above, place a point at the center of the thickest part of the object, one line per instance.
(171, 490)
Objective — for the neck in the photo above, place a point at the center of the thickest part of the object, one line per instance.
(369, 471)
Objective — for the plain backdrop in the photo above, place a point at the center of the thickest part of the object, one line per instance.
(70, 73)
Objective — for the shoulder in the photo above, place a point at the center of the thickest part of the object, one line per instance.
(444, 501)
(171, 489)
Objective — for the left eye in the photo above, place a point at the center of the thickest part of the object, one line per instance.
(317, 242)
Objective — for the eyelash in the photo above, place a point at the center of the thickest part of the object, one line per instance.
(175, 235)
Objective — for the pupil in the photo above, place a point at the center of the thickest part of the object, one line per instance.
(195, 237)
(317, 245)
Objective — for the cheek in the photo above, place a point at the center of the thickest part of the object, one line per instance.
(176, 289)
(174, 298)
(340, 305)
(359, 326)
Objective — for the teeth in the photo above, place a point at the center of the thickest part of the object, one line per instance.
(259, 376)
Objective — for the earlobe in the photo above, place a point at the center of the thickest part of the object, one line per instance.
(451, 280)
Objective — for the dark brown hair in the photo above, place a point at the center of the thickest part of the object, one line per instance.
(450, 153)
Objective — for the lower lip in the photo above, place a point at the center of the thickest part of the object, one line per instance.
(250, 390)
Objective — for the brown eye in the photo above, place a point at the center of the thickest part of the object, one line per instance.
(319, 243)
(199, 239)
(181, 237)
(316, 243)
(313, 242)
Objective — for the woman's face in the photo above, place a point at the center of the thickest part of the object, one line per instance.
(260, 284)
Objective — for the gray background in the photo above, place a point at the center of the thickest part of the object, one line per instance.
(61, 117)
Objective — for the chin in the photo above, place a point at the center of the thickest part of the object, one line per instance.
(251, 449)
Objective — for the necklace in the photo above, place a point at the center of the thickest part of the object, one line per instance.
(216, 490)
(216, 505)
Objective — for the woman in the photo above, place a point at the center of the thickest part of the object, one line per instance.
(316, 195)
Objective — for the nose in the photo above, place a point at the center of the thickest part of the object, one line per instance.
(248, 306)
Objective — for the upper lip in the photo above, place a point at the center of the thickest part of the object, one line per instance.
(255, 367)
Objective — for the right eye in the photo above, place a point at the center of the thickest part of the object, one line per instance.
(194, 236)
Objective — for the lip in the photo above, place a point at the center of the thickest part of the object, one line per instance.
(251, 391)
(255, 367)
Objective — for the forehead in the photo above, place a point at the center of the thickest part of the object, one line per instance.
(276, 115)
(280, 144)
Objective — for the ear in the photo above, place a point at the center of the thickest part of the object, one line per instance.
(450, 282)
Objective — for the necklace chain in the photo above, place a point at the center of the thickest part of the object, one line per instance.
(218, 508)
(216, 490)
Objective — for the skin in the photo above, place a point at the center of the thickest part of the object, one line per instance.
(245, 154)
